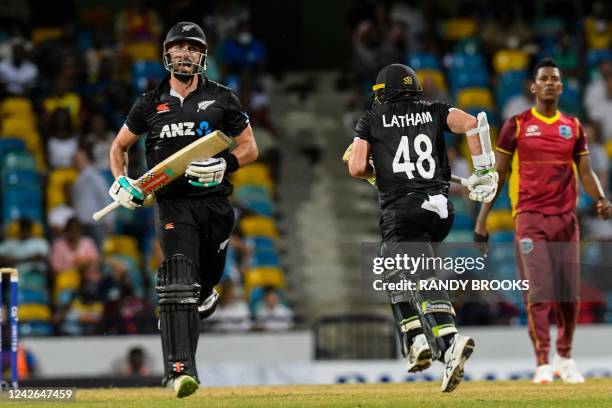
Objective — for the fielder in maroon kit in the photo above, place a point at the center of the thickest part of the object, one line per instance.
(545, 148)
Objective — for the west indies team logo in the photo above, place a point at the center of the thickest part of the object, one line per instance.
(565, 131)
(526, 245)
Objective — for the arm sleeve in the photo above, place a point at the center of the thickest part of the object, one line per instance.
(580, 148)
(362, 129)
(136, 120)
(235, 119)
(442, 110)
(507, 136)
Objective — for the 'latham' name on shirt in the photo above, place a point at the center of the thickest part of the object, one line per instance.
(406, 120)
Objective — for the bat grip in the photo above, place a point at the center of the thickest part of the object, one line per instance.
(459, 180)
(103, 212)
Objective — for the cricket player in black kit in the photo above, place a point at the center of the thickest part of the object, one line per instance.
(194, 216)
(400, 142)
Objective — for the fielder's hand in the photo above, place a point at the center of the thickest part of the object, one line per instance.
(481, 239)
(483, 185)
(125, 192)
(206, 173)
(604, 209)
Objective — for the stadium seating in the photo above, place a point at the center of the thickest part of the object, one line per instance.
(434, 75)
(56, 186)
(475, 98)
(256, 225)
(263, 276)
(510, 84)
(510, 60)
(423, 61)
(455, 29)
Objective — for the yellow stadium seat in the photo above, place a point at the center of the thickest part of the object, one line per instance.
(597, 37)
(257, 225)
(70, 101)
(45, 33)
(510, 60)
(609, 148)
(34, 312)
(143, 50)
(12, 230)
(16, 107)
(58, 178)
(264, 276)
(458, 28)
(67, 279)
(25, 130)
(475, 98)
(432, 75)
(122, 245)
(500, 220)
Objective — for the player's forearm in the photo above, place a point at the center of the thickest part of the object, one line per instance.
(591, 185)
(246, 150)
(118, 160)
(365, 172)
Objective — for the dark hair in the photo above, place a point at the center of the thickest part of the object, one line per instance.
(546, 62)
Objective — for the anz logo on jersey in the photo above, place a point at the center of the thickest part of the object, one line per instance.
(185, 129)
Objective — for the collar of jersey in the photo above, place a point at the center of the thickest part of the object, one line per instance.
(548, 121)
(164, 85)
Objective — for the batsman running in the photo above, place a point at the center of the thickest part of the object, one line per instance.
(399, 147)
(193, 214)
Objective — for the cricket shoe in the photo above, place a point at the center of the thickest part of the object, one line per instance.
(184, 386)
(419, 356)
(567, 370)
(208, 305)
(543, 374)
(454, 359)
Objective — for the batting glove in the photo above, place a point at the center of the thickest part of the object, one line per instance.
(126, 193)
(206, 173)
(483, 185)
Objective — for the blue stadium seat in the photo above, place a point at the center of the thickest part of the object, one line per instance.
(145, 72)
(20, 178)
(570, 100)
(501, 237)
(510, 84)
(10, 144)
(25, 196)
(35, 329)
(468, 78)
(595, 57)
(265, 258)
(465, 62)
(503, 199)
(33, 296)
(13, 212)
(260, 207)
(261, 243)
(421, 60)
(18, 160)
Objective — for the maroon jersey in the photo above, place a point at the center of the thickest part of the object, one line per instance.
(543, 172)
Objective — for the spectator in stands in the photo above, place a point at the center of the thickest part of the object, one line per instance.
(595, 92)
(601, 111)
(84, 313)
(18, 74)
(431, 91)
(58, 216)
(272, 314)
(599, 158)
(138, 25)
(233, 313)
(89, 194)
(26, 251)
(136, 364)
(99, 138)
(243, 52)
(62, 142)
(75, 251)
(63, 97)
(520, 102)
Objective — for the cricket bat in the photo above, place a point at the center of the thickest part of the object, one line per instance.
(174, 166)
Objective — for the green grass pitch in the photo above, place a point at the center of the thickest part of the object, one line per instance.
(595, 393)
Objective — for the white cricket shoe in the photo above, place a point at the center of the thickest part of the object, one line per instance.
(454, 360)
(184, 386)
(567, 370)
(419, 356)
(543, 374)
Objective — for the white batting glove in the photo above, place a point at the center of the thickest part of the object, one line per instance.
(483, 185)
(125, 192)
(206, 173)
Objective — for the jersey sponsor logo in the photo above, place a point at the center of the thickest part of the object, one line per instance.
(162, 107)
(533, 130)
(565, 132)
(406, 120)
(204, 104)
(185, 129)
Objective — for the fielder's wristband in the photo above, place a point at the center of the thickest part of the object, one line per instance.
(481, 238)
(231, 163)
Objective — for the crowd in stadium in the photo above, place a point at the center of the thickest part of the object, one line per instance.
(481, 59)
(65, 91)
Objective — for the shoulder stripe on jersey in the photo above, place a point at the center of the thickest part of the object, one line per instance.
(577, 127)
(584, 153)
(518, 127)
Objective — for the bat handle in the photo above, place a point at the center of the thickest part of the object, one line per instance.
(103, 212)
(459, 180)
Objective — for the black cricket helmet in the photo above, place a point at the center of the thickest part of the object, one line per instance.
(186, 31)
(393, 81)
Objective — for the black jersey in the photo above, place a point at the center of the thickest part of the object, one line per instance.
(171, 124)
(407, 143)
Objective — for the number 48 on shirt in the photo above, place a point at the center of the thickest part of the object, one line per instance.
(423, 148)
